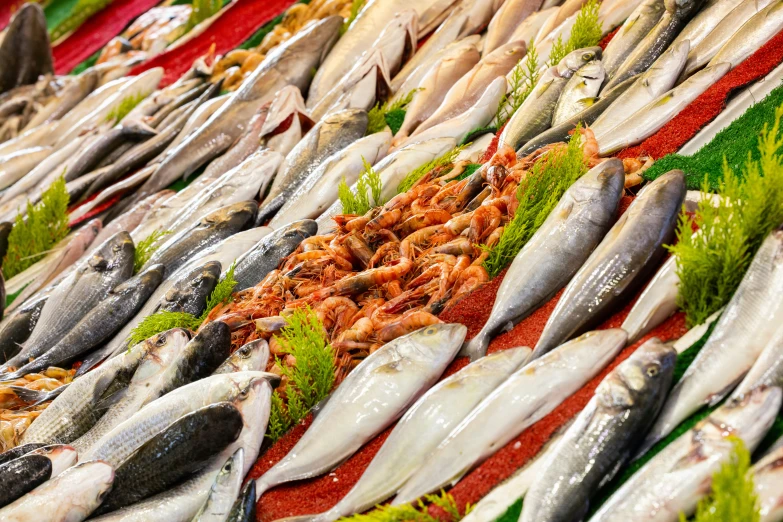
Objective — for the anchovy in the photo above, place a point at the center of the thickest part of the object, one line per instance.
(646, 15)
(631, 247)
(22, 475)
(25, 53)
(556, 251)
(409, 365)
(251, 357)
(223, 492)
(524, 398)
(656, 303)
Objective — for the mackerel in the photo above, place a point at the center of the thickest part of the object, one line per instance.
(579, 92)
(251, 357)
(507, 19)
(656, 303)
(631, 33)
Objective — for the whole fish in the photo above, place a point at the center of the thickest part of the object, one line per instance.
(535, 114)
(244, 509)
(77, 295)
(650, 118)
(631, 33)
(223, 492)
(677, 14)
(160, 118)
(251, 357)
(61, 456)
(146, 384)
(390, 379)
(75, 411)
(506, 20)
(614, 13)
(100, 323)
(207, 231)
(658, 79)
(25, 53)
(556, 251)
(319, 190)
(603, 435)
(65, 100)
(674, 480)
(705, 21)
(435, 84)
(656, 303)
(567, 9)
(757, 31)
(71, 496)
(477, 116)
(22, 475)
(579, 92)
(422, 428)
(751, 315)
(631, 247)
(767, 481)
(768, 368)
(531, 26)
(397, 41)
(130, 219)
(291, 63)
(524, 398)
(196, 120)
(16, 165)
(250, 395)
(330, 135)
(706, 50)
(178, 451)
(464, 93)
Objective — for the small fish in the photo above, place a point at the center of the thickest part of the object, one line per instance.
(408, 365)
(524, 398)
(251, 357)
(749, 320)
(656, 303)
(757, 31)
(65, 100)
(506, 21)
(244, 509)
(633, 245)
(634, 29)
(705, 21)
(768, 483)
(226, 488)
(22, 475)
(25, 53)
(603, 435)
(71, 496)
(579, 92)
(556, 251)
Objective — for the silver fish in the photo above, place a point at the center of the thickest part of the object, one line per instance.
(603, 435)
(705, 21)
(768, 368)
(507, 19)
(579, 92)
(634, 29)
(223, 492)
(757, 31)
(196, 120)
(66, 99)
(656, 303)
(61, 456)
(556, 251)
(750, 319)
(675, 479)
(391, 379)
(15, 166)
(251, 357)
(524, 398)
(767, 481)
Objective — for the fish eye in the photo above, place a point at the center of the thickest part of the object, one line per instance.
(587, 57)
(430, 331)
(652, 370)
(161, 340)
(244, 393)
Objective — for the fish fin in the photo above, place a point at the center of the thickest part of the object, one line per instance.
(588, 102)
(315, 410)
(715, 398)
(107, 402)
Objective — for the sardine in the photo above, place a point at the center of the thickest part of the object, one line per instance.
(22, 475)
(507, 20)
(524, 398)
(223, 492)
(251, 357)
(656, 303)
(603, 435)
(757, 31)
(391, 379)
(556, 251)
(244, 509)
(25, 53)
(580, 91)
(631, 247)
(631, 33)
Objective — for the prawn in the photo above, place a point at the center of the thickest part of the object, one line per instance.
(407, 324)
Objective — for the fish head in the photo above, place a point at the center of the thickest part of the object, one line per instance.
(96, 472)
(237, 216)
(116, 252)
(606, 178)
(353, 121)
(214, 337)
(161, 349)
(297, 232)
(592, 73)
(504, 361)
(252, 356)
(748, 416)
(432, 343)
(507, 56)
(664, 195)
(246, 390)
(152, 276)
(575, 60)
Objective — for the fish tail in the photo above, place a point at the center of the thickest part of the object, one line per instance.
(476, 348)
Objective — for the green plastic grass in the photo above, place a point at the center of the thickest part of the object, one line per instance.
(384, 114)
(202, 10)
(732, 143)
(417, 512)
(310, 380)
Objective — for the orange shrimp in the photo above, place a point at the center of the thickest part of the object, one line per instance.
(485, 220)
(336, 313)
(363, 281)
(359, 249)
(457, 247)
(384, 254)
(360, 330)
(470, 279)
(407, 324)
(463, 262)
(386, 219)
(428, 218)
(357, 223)
(458, 224)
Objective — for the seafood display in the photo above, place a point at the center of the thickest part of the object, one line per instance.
(376, 247)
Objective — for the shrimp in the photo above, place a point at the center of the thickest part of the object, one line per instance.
(457, 224)
(359, 249)
(386, 219)
(470, 279)
(428, 218)
(387, 252)
(363, 281)
(336, 313)
(485, 220)
(463, 262)
(589, 146)
(357, 223)
(407, 324)
(360, 331)
(316, 242)
(457, 247)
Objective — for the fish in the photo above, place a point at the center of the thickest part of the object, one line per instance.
(579, 92)
(506, 20)
(477, 116)
(71, 496)
(241, 183)
(750, 319)
(18, 451)
(656, 303)
(556, 251)
(244, 509)
(705, 21)
(675, 479)
(194, 122)
(76, 295)
(265, 255)
(422, 428)
(5, 231)
(429, 93)
(657, 80)
(22, 475)
(223, 492)
(675, 17)
(397, 40)
(121, 303)
(726, 28)
(207, 231)
(319, 190)
(632, 246)
(149, 379)
(291, 63)
(534, 116)
(614, 13)
(531, 26)
(767, 370)
(527, 396)
(646, 15)
(251, 357)
(754, 33)
(15, 166)
(61, 456)
(251, 396)
(178, 451)
(603, 435)
(65, 100)
(408, 365)
(464, 93)
(286, 112)
(130, 219)
(161, 117)
(75, 410)
(25, 53)
(650, 118)
(566, 10)
(332, 134)
(767, 482)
